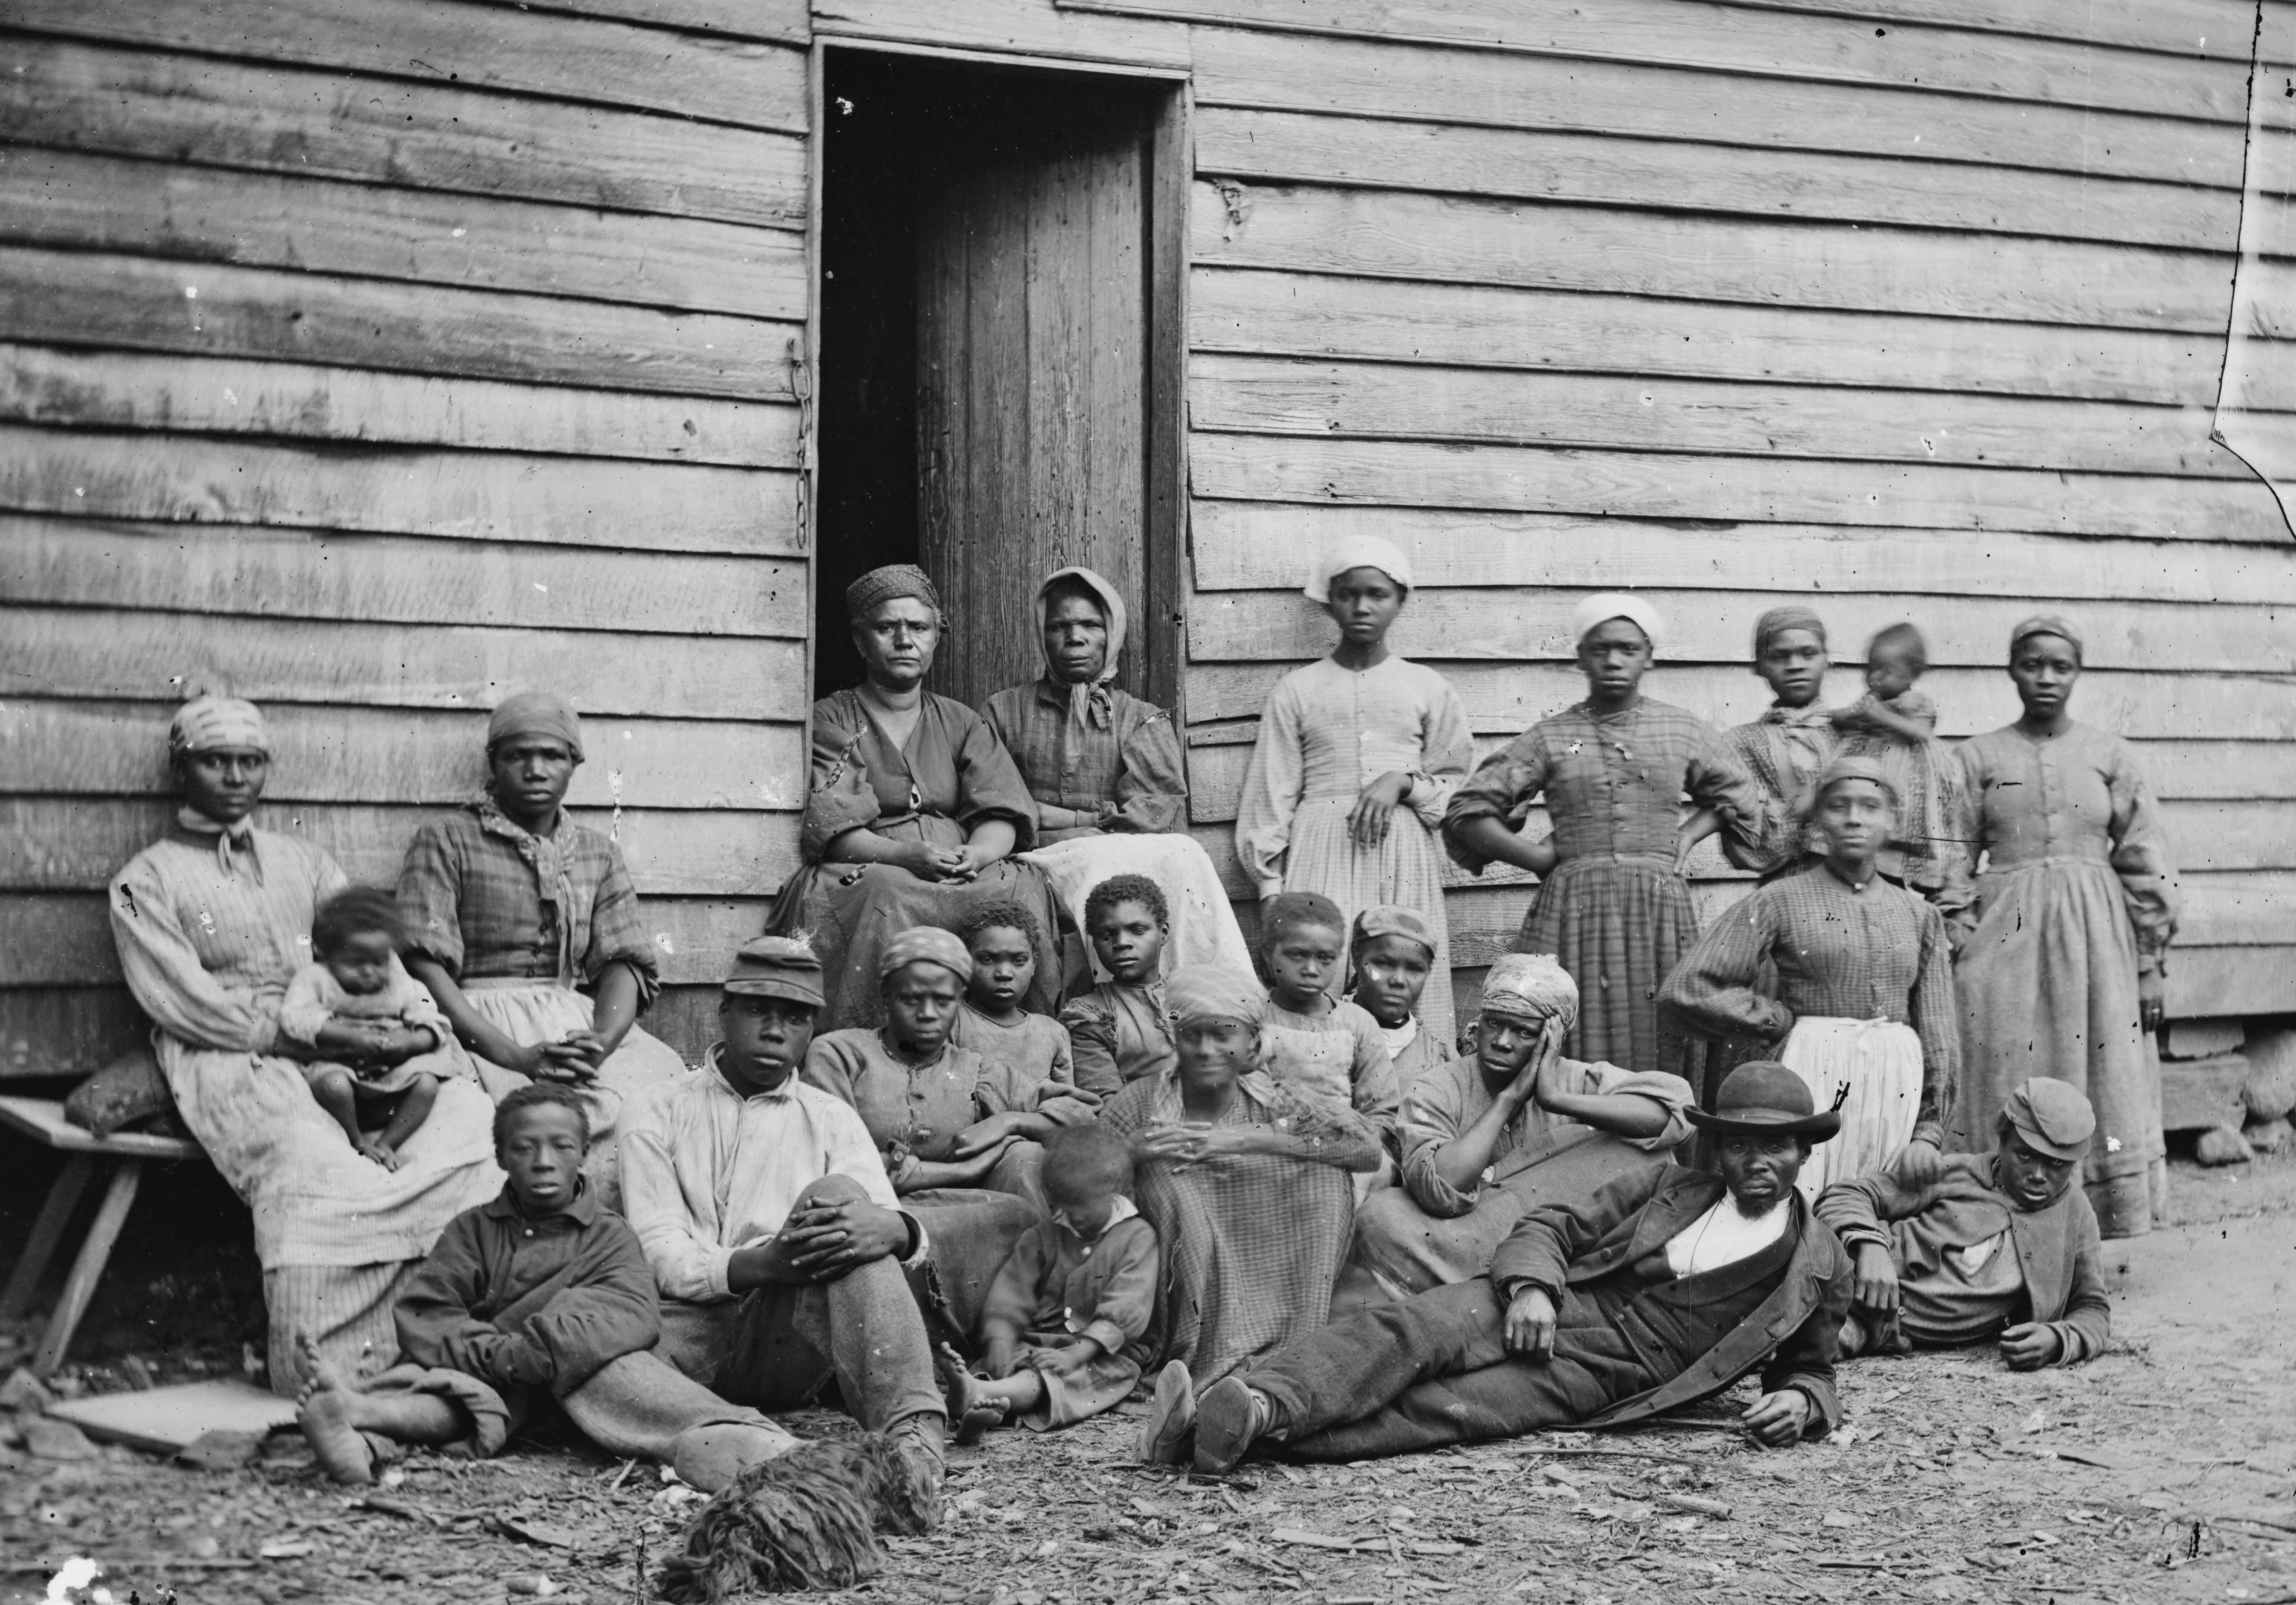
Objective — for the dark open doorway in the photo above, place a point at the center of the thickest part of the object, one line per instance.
(999, 352)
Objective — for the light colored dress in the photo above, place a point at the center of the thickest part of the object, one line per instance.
(315, 997)
(2077, 896)
(209, 948)
(1326, 733)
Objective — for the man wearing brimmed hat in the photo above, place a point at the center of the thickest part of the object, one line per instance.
(1659, 1290)
(767, 1215)
(1995, 1246)
(1493, 1134)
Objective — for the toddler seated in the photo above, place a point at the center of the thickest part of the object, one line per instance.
(1063, 1325)
(368, 1019)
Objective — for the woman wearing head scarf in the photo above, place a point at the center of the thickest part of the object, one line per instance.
(212, 920)
(1615, 909)
(1358, 756)
(525, 927)
(914, 811)
(1787, 748)
(1103, 768)
(2062, 975)
(1846, 979)
(1499, 1132)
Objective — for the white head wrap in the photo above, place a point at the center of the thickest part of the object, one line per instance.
(1604, 606)
(1088, 705)
(1356, 551)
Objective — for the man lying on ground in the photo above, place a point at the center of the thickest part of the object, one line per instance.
(1997, 1246)
(538, 1301)
(1662, 1289)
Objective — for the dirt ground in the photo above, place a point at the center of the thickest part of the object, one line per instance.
(2163, 1472)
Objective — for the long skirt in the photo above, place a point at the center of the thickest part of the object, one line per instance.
(851, 910)
(1407, 869)
(1204, 930)
(2047, 985)
(535, 1011)
(1880, 1062)
(1618, 927)
(333, 1229)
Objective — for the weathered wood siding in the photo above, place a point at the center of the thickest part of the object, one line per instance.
(371, 358)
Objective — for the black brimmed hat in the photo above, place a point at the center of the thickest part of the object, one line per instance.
(1762, 1097)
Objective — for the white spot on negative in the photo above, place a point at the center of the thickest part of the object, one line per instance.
(190, 292)
(541, 587)
(661, 940)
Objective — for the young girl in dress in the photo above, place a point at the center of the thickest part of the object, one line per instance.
(1003, 940)
(1316, 1044)
(1896, 723)
(1117, 1031)
(1357, 757)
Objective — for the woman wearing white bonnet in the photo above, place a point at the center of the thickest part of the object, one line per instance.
(1613, 769)
(1506, 1127)
(1358, 756)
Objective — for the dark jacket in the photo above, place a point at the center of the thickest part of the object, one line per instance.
(1104, 1289)
(2058, 1246)
(521, 1303)
(1792, 1335)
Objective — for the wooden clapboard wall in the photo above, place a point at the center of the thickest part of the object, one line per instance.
(371, 359)
(1914, 307)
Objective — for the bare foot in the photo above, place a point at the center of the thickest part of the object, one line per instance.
(970, 1413)
(326, 1423)
(319, 1372)
(380, 1152)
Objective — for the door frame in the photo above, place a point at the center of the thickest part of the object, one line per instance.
(1160, 620)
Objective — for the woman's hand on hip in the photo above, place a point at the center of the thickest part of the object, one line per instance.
(1374, 809)
(2152, 999)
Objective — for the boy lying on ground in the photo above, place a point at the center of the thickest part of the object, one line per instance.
(539, 1298)
(2000, 1245)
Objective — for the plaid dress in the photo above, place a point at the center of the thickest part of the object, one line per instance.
(1251, 1242)
(1784, 750)
(1614, 912)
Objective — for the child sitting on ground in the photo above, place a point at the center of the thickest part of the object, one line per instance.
(1064, 1319)
(357, 1006)
(522, 1298)
(1117, 1031)
(1896, 723)
(989, 1018)
(1394, 950)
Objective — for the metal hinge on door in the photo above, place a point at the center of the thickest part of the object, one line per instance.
(801, 387)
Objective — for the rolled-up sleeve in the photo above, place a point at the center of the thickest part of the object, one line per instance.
(1501, 787)
(1668, 1091)
(431, 898)
(1431, 1116)
(841, 798)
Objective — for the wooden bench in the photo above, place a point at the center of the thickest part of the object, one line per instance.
(124, 1154)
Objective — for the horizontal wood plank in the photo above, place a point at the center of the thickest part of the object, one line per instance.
(66, 200)
(2205, 982)
(1716, 626)
(1845, 50)
(240, 570)
(1864, 422)
(127, 390)
(1274, 147)
(780, 21)
(1367, 78)
(1028, 27)
(64, 938)
(113, 653)
(1453, 239)
(1502, 700)
(1279, 313)
(77, 844)
(400, 490)
(1262, 545)
(67, 1031)
(748, 83)
(1401, 473)
(426, 136)
(382, 756)
(73, 299)
(2213, 28)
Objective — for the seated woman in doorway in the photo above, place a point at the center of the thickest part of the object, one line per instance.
(1103, 768)
(914, 811)
(524, 926)
(212, 920)
(1493, 1134)
(1862, 1008)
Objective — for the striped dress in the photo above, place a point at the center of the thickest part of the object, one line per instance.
(1326, 733)
(1614, 912)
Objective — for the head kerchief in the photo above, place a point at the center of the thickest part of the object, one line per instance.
(1088, 705)
(1531, 986)
(928, 945)
(1394, 920)
(2053, 1117)
(543, 713)
(1356, 551)
(1212, 992)
(2045, 624)
(1604, 606)
(865, 595)
(1777, 621)
(783, 967)
(1850, 766)
(214, 724)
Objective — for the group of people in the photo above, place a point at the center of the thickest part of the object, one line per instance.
(1006, 1115)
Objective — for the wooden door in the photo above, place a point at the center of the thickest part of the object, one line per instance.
(1032, 373)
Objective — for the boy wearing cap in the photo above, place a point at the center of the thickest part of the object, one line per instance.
(1512, 1125)
(1997, 1246)
(1659, 1290)
(772, 1230)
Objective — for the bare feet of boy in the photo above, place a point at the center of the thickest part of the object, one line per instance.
(970, 1414)
(380, 1152)
(324, 1415)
